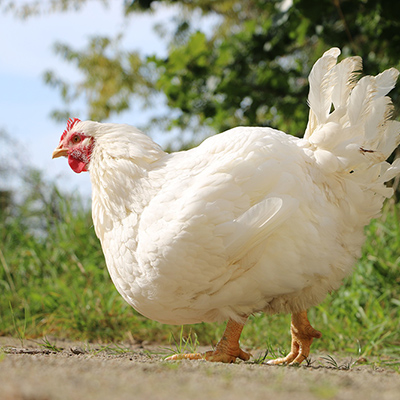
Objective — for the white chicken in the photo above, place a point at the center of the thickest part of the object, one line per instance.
(252, 219)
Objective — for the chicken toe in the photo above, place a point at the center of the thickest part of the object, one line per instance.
(226, 351)
(303, 335)
(213, 356)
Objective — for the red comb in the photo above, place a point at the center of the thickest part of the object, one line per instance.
(70, 124)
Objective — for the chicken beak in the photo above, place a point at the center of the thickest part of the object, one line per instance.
(60, 152)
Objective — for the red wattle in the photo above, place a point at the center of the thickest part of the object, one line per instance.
(76, 165)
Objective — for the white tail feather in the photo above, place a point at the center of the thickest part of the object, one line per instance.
(360, 100)
(386, 81)
(346, 73)
(380, 112)
(390, 139)
(319, 98)
(358, 131)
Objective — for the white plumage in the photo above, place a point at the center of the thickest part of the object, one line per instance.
(252, 219)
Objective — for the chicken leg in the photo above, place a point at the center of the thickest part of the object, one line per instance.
(226, 351)
(302, 336)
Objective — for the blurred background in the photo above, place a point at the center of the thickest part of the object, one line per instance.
(180, 71)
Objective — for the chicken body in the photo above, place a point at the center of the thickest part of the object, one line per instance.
(245, 222)
(252, 219)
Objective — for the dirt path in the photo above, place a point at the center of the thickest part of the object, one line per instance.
(80, 371)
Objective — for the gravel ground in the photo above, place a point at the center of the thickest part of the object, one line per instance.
(30, 371)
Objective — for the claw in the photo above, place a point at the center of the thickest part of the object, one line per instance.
(303, 335)
(226, 351)
(212, 356)
(190, 356)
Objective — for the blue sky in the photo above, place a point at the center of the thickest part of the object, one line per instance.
(27, 51)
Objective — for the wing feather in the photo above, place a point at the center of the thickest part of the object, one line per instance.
(256, 224)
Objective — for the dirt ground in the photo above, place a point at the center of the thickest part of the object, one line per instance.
(32, 371)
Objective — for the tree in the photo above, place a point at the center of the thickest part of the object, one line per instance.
(250, 69)
(110, 77)
(253, 68)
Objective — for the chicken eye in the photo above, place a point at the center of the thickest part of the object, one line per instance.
(76, 139)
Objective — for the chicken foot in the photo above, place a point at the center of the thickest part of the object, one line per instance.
(303, 335)
(226, 351)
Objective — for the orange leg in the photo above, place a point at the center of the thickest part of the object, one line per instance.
(226, 351)
(302, 336)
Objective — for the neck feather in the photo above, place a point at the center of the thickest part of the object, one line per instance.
(119, 167)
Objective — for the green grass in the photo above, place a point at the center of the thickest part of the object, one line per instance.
(53, 277)
(54, 282)
(183, 344)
